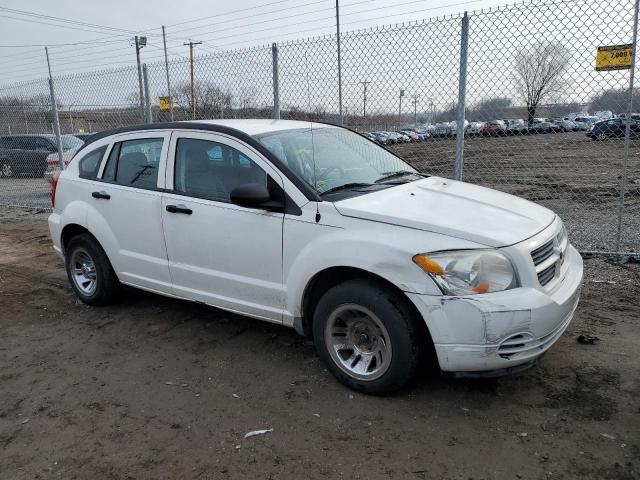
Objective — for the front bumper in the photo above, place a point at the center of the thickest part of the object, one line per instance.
(501, 330)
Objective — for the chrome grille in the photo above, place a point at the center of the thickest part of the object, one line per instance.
(540, 254)
(548, 257)
(546, 275)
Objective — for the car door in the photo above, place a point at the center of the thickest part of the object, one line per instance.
(221, 253)
(125, 201)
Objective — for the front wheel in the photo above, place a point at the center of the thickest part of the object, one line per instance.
(368, 337)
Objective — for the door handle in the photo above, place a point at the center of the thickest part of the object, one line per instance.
(103, 195)
(179, 209)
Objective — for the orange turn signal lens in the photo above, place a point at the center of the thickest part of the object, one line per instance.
(482, 287)
(428, 265)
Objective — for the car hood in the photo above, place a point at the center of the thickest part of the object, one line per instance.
(462, 210)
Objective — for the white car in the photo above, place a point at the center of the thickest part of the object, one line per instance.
(317, 228)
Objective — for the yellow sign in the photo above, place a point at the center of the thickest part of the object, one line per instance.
(165, 103)
(614, 57)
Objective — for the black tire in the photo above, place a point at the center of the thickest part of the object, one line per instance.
(406, 333)
(107, 284)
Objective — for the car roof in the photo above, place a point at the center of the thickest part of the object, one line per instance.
(258, 126)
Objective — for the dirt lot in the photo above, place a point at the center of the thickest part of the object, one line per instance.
(159, 388)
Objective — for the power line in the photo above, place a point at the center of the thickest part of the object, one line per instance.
(66, 20)
(190, 29)
(242, 10)
(91, 58)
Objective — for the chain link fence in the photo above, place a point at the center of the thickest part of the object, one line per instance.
(515, 107)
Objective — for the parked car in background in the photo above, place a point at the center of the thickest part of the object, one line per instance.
(603, 115)
(422, 133)
(25, 155)
(544, 128)
(475, 128)
(584, 122)
(382, 138)
(369, 136)
(413, 136)
(565, 125)
(385, 267)
(613, 128)
(495, 128)
(516, 127)
(52, 162)
(441, 130)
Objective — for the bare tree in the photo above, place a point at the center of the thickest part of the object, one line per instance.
(539, 73)
(490, 109)
(616, 100)
(211, 101)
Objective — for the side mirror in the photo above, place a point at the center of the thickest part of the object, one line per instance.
(255, 195)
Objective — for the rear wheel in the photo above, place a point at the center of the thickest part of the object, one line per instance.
(90, 272)
(367, 336)
(602, 136)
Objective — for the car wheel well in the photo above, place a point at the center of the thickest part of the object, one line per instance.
(330, 277)
(70, 231)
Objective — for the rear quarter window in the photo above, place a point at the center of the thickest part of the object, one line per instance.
(89, 164)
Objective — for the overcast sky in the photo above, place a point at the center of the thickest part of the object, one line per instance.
(219, 24)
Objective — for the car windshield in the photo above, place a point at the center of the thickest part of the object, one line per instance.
(69, 142)
(334, 159)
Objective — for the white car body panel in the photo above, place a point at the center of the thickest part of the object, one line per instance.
(237, 265)
(452, 208)
(260, 263)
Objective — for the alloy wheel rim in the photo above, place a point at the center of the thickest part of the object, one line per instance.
(6, 170)
(358, 342)
(83, 272)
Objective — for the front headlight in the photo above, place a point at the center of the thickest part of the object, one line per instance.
(468, 272)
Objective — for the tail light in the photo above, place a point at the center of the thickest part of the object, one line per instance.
(54, 185)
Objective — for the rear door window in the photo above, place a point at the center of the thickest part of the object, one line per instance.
(134, 163)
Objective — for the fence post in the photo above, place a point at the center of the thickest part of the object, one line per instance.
(147, 101)
(54, 111)
(276, 82)
(627, 130)
(340, 117)
(462, 92)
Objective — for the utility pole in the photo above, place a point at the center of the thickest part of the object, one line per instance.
(400, 106)
(166, 67)
(341, 118)
(193, 89)
(54, 111)
(364, 97)
(140, 43)
(415, 110)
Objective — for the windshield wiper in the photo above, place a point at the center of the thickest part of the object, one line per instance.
(399, 173)
(346, 186)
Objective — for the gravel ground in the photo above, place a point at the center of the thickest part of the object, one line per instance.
(165, 389)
